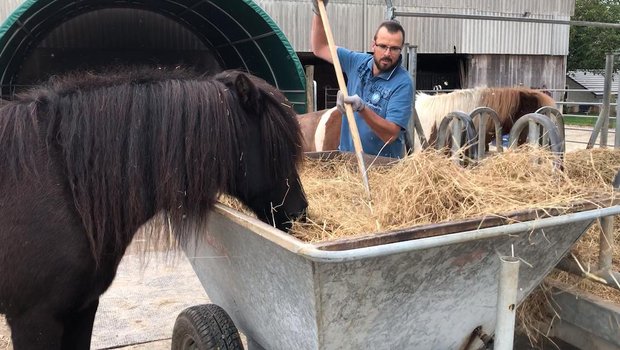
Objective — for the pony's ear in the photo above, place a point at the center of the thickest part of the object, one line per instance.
(247, 92)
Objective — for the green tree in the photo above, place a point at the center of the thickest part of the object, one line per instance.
(588, 45)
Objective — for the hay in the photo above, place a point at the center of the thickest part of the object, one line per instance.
(431, 188)
(538, 312)
(599, 164)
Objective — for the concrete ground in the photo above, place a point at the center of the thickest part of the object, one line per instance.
(139, 309)
(578, 137)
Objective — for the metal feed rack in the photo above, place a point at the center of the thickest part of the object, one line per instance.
(427, 287)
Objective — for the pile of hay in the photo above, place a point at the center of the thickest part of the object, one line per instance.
(431, 188)
(537, 312)
(584, 167)
(599, 165)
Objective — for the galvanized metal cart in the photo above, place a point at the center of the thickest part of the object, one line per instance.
(427, 287)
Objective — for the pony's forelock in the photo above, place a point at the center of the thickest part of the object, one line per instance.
(280, 130)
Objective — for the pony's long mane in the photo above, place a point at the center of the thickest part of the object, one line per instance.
(132, 143)
(512, 103)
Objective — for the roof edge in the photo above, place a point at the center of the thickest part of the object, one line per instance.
(301, 74)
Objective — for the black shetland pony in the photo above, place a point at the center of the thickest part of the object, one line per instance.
(87, 159)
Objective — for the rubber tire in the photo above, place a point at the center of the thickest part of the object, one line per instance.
(205, 327)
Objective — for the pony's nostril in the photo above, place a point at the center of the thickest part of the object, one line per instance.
(285, 226)
(302, 215)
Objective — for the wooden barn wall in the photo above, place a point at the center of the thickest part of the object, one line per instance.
(511, 70)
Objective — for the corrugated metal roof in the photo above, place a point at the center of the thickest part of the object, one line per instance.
(558, 7)
(354, 22)
(8, 6)
(593, 82)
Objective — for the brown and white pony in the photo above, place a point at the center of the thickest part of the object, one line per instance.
(509, 103)
(321, 129)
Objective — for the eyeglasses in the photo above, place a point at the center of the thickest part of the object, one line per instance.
(392, 49)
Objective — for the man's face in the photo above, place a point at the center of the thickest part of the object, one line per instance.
(386, 49)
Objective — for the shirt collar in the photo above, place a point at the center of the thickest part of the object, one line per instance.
(384, 75)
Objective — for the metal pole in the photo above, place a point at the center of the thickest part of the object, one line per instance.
(503, 19)
(457, 126)
(609, 66)
(412, 67)
(506, 303)
(414, 124)
(603, 119)
(533, 133)
(389, 11)
(365, 40)
(617, 136)
(606, 240)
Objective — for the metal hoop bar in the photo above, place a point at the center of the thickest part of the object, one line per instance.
(490, 114)
(557, 117)
(470, 132)
(504, 19)
(555, 143)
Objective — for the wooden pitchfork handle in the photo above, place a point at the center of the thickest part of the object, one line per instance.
(357, 143)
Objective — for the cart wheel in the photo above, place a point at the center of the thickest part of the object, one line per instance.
(205, 327)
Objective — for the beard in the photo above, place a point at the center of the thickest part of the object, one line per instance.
(385, 64)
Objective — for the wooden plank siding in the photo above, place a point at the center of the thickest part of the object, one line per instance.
(516, 70)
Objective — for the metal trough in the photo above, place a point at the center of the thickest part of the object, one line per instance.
(427, 287)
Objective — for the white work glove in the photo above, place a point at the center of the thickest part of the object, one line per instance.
(357, 104)
(315, 6)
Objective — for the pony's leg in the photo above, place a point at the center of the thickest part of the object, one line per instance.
(79, 328)
(36, 330)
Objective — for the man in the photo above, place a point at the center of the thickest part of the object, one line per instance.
(380, 89)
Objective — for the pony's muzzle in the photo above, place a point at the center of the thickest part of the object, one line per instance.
(286, 224)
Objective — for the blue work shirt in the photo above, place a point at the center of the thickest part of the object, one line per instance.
(389, 94)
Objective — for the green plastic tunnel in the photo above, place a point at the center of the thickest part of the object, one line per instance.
(45, 37)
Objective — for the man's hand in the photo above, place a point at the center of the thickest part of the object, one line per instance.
(357, 104)
(340, 102)
(315, 6)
